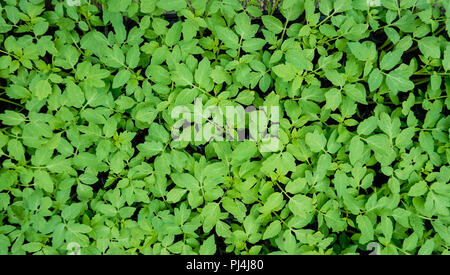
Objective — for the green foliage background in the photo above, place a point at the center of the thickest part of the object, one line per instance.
(87, 91)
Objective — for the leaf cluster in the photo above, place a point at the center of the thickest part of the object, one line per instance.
(87, 157)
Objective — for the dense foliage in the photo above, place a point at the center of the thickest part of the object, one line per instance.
(87, 154)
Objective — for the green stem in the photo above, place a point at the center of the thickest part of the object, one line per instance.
(274, 7)
(324, 20)
(11, 102)
(239, 49)
(284, 31)
(190, 6)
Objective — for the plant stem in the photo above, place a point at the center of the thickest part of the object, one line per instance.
(11, 102)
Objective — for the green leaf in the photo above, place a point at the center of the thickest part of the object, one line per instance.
(75, 96)
(70, 212)
(243, 26)
(118, 5)
(121, 78)
(399, 81)
(292, 9)
(12, 118)
(429, 46)
(185, 180)
(79, 228)
(379, 143)
(107, 210)
(356, 149)
(208, 247)
(333, 99)
(357, 92)
(366, 227)
(32, 247)
(272, 23)
(285, 71)
(272, 230)
(175, 195)
(43, 180)
(375, 79)
(360, 51)
(274, 201)
(243, 152)
(335, 77)
(42, 89)
(325, 7)
(410, 242)
(202, 74)
(148, 6)
(404, 139)
(150, 148)
(387, 228)
(300, 205)
(253, 44)
(40, 28)
(442, 230)
(183, 76)
(446, 60)
(210, 213)
(427, 248)
(173, 35)
(173, 5)
(426, 141)
(219, 75)
(229, 38)
(344, 5)
(390, 4)
(334, 220)
(245, 97)
(418, 189)
(133, 56)
(390, 60)
(316, 141)
(367, 126)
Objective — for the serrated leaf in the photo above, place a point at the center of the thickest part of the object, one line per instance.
(229, 38)
(272, 230)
